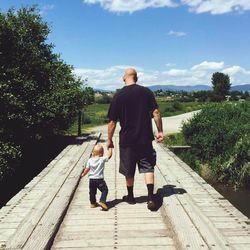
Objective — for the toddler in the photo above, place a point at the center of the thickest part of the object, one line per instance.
(95, 168)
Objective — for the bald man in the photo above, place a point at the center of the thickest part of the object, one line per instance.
(134, 106)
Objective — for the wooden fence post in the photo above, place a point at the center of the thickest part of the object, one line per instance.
(79, 123)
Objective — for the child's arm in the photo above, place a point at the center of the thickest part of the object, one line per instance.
(110, 150)
(85, 172)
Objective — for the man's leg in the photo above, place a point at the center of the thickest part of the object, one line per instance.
(130, 186)
(146, 165)
(127, 168)
(149, 181)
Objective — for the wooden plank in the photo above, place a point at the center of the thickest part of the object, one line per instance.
(187, 234)
(37, 178)
(48, 224)
(27, 226)
(200, 211)
(123, 226)
(159, 241)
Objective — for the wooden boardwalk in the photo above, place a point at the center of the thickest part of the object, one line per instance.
(53, 211)
(31, 218)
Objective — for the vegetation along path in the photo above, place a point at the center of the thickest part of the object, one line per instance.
(171, 124)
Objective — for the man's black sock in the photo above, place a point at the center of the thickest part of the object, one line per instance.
(150, 191)
(130, 191)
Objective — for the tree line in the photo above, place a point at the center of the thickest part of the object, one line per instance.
(221, 91)
(39, 94)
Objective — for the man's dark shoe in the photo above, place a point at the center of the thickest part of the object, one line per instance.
(129, 200)
(151, 205)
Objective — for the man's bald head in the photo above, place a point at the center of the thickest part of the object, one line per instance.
(130, 76)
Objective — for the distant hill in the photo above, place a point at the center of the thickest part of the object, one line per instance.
(102, 90)
(189, 88)
(243, 87)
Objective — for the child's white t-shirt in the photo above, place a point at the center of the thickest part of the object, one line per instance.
(96, 165)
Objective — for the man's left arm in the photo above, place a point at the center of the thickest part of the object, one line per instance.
(154, 108)
(158, 123)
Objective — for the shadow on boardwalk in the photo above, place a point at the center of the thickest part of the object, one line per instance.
(165, 191)
(36, 155)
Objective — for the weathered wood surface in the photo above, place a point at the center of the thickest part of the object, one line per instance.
(200, 216)
(53, 210)
(193, 215)
(124, 226)
(30, 218)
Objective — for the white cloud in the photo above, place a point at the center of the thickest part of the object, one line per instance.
(176, 33)
(208, 66)
(236, 70)
(170, 64)
(214, 7)
(131, 6)
(46, 8)
(176, 72)
(111, 77)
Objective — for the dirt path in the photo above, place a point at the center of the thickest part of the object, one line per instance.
(171, 124)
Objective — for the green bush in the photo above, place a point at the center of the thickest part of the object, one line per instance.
(87, 120)
(177, 106)
(176, 139)
(40, 95)
(104, 99)
(219, 135)
(9, 158)
(236, 168)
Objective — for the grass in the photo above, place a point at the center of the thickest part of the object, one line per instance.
(176, 108)
(95, 114)
(176, 139)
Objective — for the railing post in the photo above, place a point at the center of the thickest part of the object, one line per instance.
(79, 123)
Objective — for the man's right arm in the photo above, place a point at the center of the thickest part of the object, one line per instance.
(113, 115)
(158, 123)
(111, 130)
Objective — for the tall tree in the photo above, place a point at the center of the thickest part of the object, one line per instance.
(221, 85)
(39, 94)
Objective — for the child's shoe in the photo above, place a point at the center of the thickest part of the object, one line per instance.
(94, 205)
(104, 206)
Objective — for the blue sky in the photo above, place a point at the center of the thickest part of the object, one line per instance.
(179, 42)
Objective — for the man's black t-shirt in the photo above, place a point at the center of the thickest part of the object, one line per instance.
(133, 106)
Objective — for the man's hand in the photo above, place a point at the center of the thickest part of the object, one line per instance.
(158, 122)
(110, 144)
(110, 152)
(111, 130)
(159, 137)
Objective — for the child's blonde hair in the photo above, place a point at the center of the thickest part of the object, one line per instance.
(98, 150)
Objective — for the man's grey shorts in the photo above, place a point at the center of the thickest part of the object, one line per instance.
(143, 154)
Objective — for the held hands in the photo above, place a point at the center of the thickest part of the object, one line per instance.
(159, 137)
(110, 152)
(110, 144)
